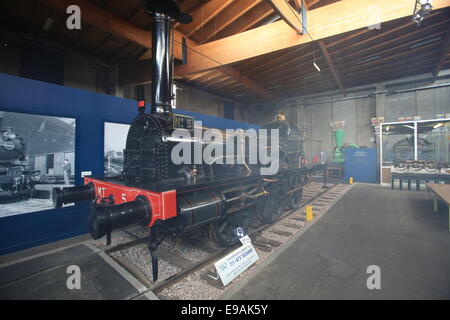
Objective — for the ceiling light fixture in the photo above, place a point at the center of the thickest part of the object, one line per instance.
(422, 8)
(317, 67)
(314, 63)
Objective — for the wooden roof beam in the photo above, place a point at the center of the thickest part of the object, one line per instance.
(288, 14)
(308, 4)
(246, 81)
(138, 72)
(202, 15)
(198, 75)
(378, 35)
(233, 12)
(134, 34)
(442, 56)
(104, 5)
(298, 4)
(108, 22)
(361, 72)
(336, 18)
(188, 6)
(261, 12)
(383, 34)
(116, 56)
(202, 88)
(313, 2)
(390, 44)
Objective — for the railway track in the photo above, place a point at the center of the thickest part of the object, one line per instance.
(182, 258)
(265, 238)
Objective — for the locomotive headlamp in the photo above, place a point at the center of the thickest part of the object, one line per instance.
(8, 145)
(9, 134)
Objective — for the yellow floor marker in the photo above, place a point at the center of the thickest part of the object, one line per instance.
(309, 213)
(350, 181)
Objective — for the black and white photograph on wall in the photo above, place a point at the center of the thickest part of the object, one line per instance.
(37, 153)
(115, 141)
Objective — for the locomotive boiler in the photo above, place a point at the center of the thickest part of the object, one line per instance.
(171, 198)
(15, 181)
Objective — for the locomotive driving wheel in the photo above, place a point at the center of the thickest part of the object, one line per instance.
(271, 207)
(226, 230)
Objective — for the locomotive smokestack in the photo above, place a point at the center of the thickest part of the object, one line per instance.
(163, 13)
(162, 64)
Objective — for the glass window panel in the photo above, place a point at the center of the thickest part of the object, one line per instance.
(434, 141)
(398, 143)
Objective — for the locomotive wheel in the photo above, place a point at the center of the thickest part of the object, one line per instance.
(284, 162)
(295, 198)
(225, 229)
(271, 207)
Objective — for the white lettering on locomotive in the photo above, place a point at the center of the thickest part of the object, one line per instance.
(229, 148)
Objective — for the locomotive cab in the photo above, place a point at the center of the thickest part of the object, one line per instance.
(290, 138)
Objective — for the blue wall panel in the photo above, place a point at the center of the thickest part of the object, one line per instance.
(90, 110)
(361, 164)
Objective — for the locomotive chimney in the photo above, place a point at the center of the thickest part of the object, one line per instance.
(162, 64)
(163, 13)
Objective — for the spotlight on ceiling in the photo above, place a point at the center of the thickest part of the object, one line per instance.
(422, 8)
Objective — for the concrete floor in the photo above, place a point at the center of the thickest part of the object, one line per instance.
(371, 225)
(45, 277)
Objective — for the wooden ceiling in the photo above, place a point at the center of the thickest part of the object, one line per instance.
(398, 49)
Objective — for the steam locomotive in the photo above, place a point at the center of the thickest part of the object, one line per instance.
(172, 198)
(15, 181)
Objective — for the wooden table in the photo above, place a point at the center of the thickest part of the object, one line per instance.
(440, 192)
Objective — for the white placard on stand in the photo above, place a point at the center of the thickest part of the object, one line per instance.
(232, 265)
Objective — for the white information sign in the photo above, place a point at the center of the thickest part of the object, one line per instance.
(232, 265)
(86, 174)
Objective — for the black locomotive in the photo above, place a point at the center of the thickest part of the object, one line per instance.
(16, 182)
(171, 198)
